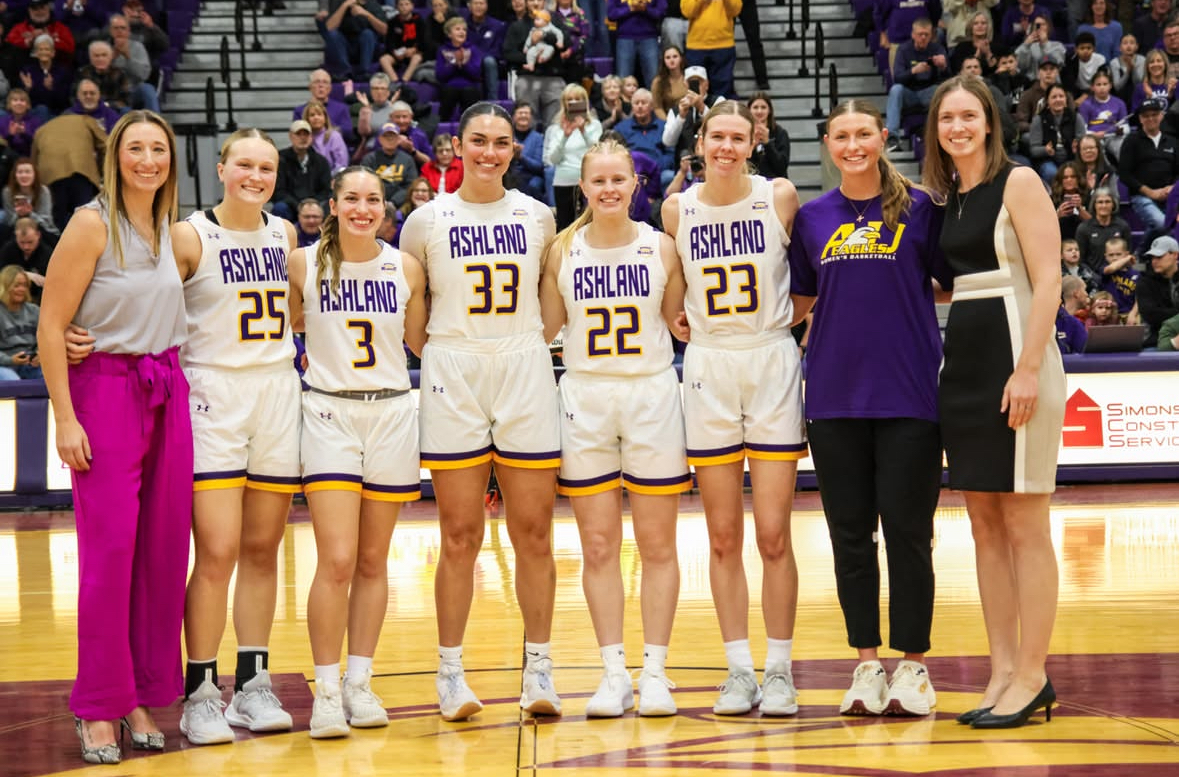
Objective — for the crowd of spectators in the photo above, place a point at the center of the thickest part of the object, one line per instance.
(1088, 94)
(398, 73)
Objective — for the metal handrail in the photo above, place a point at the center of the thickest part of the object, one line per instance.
(210, 101)
(239, 35)
(803, 70)
(820, 46)
(226, 76)
(817, 110)
(790, 33)
(833, 85)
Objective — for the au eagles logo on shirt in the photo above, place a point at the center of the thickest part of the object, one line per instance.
(861, 242)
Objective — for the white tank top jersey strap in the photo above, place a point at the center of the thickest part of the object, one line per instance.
(238, 312)
(483, 264)
(613, 302)
(734, 258)
(355, 336)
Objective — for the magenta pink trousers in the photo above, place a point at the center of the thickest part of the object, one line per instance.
(134, 516)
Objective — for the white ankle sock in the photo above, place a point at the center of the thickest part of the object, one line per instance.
(778, 653)
(534, 651)
(655, 659)
(613, 657)
(328, 675)
(739, 656)
(359, 667)
(450, 655)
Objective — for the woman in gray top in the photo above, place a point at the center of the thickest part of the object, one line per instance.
(123, 427)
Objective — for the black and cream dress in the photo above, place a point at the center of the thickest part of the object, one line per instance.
(984, 337)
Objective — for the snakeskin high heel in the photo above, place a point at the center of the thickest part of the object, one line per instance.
(109, 753)
(142, 740)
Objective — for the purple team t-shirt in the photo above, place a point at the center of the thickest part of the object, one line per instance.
(1102, 117)
(1123, 285)
(874, 349)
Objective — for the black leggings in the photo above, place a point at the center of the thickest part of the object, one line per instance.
(881, 472)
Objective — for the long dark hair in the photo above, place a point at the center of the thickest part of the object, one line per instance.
(661, 83)
(938, 173)
(764, 97)
(14, 187)
(1058, 182)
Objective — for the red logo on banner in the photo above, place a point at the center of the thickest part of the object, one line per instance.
(1082, 422)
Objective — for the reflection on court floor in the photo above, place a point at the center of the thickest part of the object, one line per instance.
(1115, 662)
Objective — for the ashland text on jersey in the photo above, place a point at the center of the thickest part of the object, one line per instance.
(713, 241)
(251, 265)
(605, 282)
(479, 240)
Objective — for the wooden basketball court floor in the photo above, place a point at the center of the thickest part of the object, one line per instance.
(1115, 662)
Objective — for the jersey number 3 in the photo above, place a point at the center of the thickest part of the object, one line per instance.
(273, 308)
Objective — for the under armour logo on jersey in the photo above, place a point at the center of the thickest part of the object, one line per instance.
(569, 416)
(697, 385)
(575, 252)
(448, 214)
(325, 416)
(214, 235)
(690, 211)
(202, 408)
(438, 389)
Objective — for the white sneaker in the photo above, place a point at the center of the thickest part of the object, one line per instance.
(739, 694)
(866, 695)
(327, 713)
(910, 692)
(778, 694)
(614, 696)
(456, 700)
(257, 708)
(655, 696)
(537, 695)
(201, 720)
(362, 707)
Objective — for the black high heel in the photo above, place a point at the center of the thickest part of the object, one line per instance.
(1045, 698)
(968, 717)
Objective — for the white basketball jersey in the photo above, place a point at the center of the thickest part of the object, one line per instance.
(734, 258)
(238, 314)
(613, 302)
(483, 264)
(355, 336)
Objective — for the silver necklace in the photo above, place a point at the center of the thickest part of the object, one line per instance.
(859, 213)
(962, 202)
